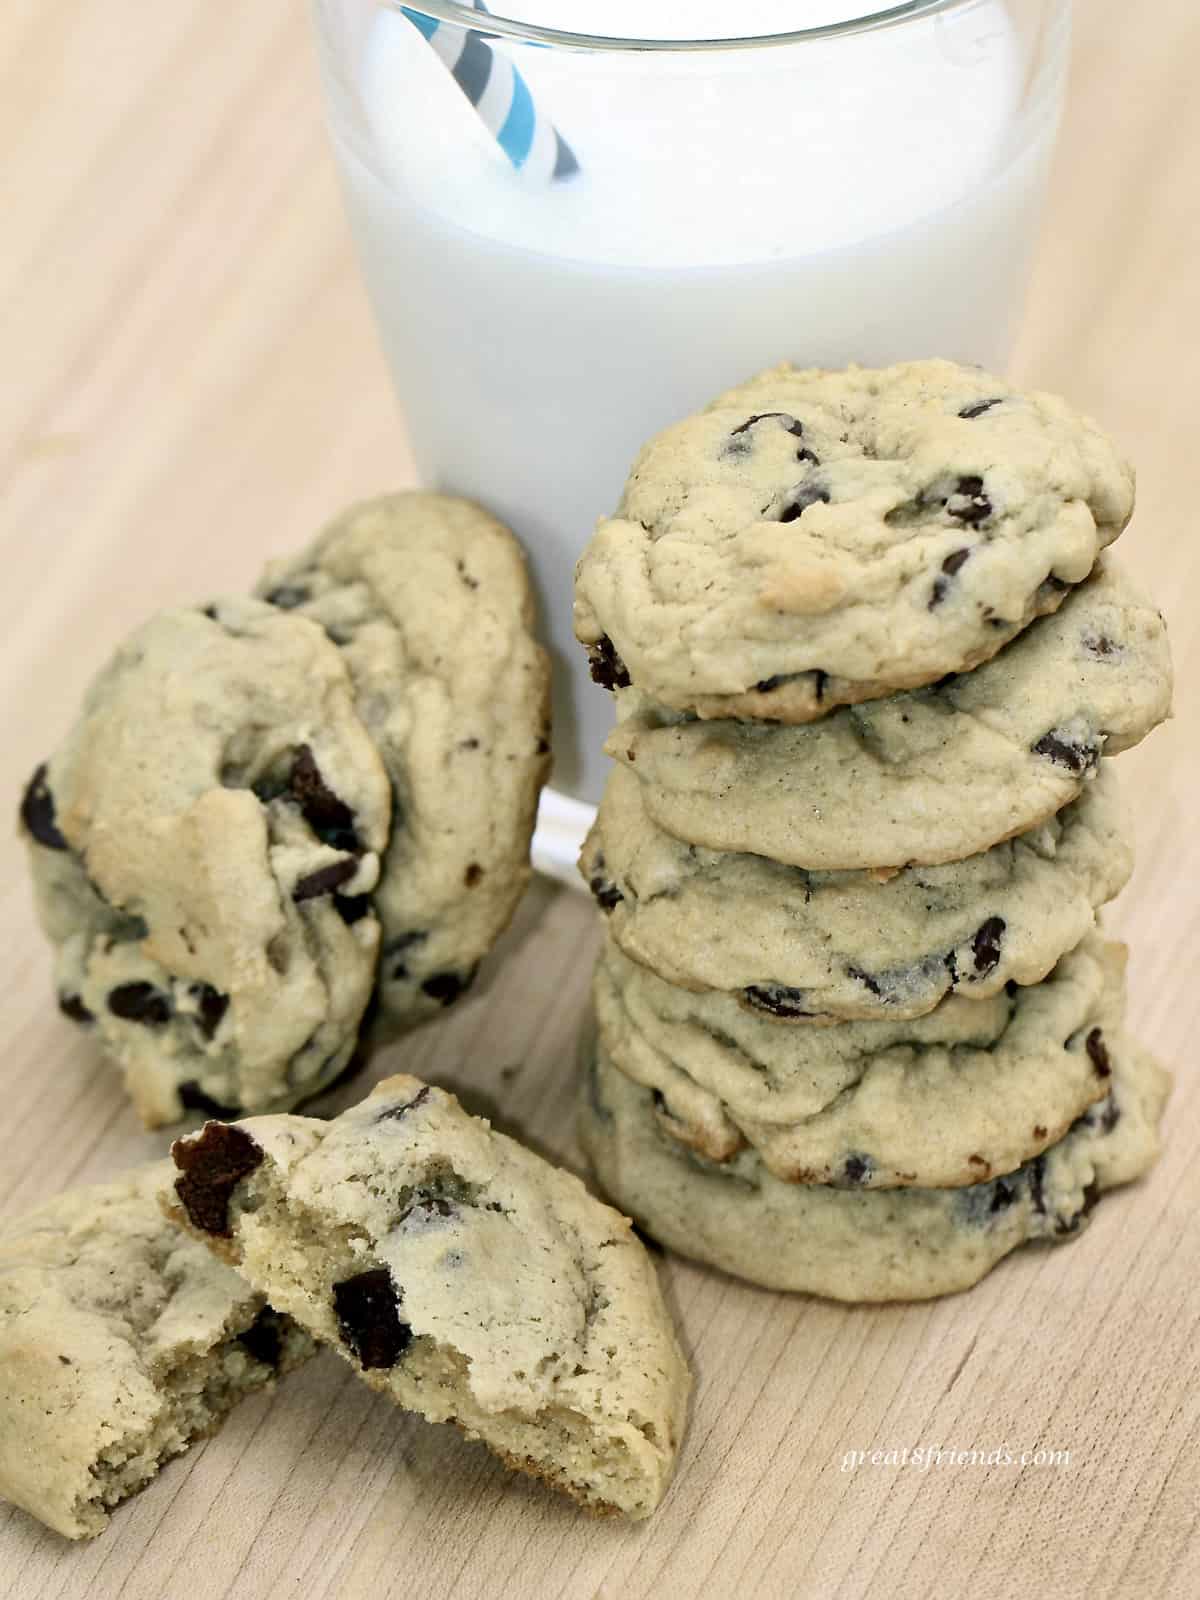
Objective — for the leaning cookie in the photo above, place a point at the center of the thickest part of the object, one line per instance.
(427, 599)
(204, 845)
(822, 946)
(461, 1275)
(972, 1090)
(816, 538)
(934, 775)
(871, 1244)
(122, 1341)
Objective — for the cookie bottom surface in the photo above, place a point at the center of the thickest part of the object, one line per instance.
(859, 1245)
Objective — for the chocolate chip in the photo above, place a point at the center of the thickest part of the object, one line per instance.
(212, 1163)
(140, 1002)
(799, 499)
(977, 410)
(193, 1098)
(212, 1007)
(368, 1313)
(1065, 751)
(1037, 1178)
(324, 880)
(985, 946)
(351, 908)
(263, 1339)
(790, 425)
(856, 1169)
(447, 986)
(210, 612)
(287, 596)
(394, 1113)
(37, 812)
(865, 978)
(542, 747)
(71, 1005)
(1098, 1053)
(396, 947)
(968, 503)
(330, 819)
(1039, 1131)
(473, 875)
(766, 685)
(1100, 645)
(607, 894)
(777, 999)
(941, 585)
(607, 668)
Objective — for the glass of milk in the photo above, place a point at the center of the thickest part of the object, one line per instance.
(834, 184)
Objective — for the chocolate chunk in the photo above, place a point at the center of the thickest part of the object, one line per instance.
(1066, 751)
(607, 894)
(1037, 1178)
(212, 1007)
(37, 812)
(330, 819)
(1098, 1053)
(193, 1098)
(287, 596)
(394, 1113)
(777, 999)
(263, 1339)
(941, 585)
(607, 668)
(977, 410)
(351, 908)
(447, 986)
(324, 880)
(799, 500)
(968, 503)
(473, 875)
(140, 1002)
(542, 747)
(1100, 645)
(1039, 1131)
(396, 947)
(789, 423)
(865, 978)
(985, 946)
(368, 1313)
(212, 1163)
(71, 1005)
(856, 1169)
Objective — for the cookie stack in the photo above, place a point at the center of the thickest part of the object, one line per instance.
(857, 1031)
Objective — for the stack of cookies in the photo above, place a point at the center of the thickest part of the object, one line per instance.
(857, 1031)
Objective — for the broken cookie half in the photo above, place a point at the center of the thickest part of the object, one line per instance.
(122, 1341)
(460, 1274)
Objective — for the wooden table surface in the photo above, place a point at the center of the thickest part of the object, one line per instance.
(190, 381)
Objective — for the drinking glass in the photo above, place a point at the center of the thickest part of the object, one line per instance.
(865, 187)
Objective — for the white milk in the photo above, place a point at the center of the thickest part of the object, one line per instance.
(868, 198)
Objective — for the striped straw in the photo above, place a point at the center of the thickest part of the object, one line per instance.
(501, 97)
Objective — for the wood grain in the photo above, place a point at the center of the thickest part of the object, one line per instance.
(190, 383)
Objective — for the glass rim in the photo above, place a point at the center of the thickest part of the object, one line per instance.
(466, 16)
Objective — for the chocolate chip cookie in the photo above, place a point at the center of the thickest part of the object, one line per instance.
(929, 776)
(462, 1276)
(969, 1091)
(204, 847)
(815, 538)
(427, 600)
(864, 1244)
(814, 946)
(122, 1341)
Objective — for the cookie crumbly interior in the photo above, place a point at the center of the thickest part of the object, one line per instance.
(562, 1364)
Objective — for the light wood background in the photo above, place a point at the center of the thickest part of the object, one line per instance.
(189, 380)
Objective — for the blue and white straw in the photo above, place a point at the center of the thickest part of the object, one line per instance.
(500, 96)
